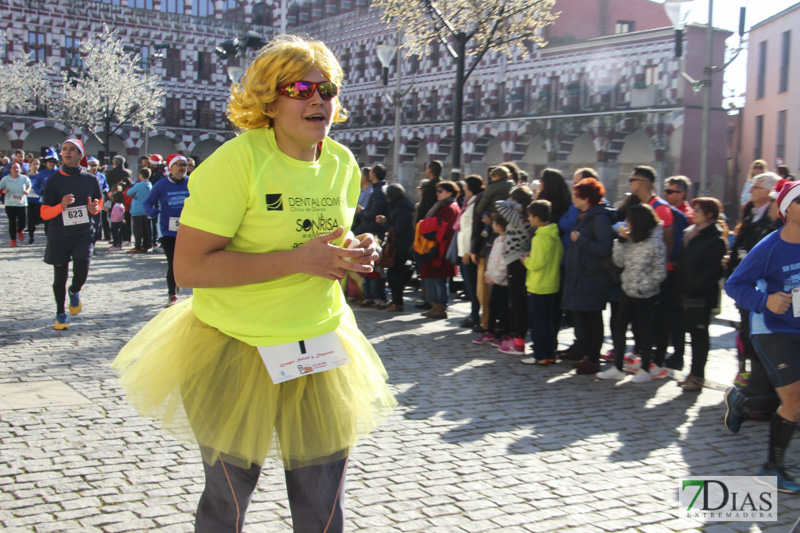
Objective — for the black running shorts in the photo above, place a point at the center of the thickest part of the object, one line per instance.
(780, 354)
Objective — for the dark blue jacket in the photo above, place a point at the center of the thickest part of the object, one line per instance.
(38, 181)
(401, 219)
(585, 280)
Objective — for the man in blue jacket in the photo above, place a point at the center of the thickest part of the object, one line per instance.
(166, 202)
(376, 205)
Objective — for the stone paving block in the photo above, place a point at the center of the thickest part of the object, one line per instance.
(58, 527)
(410, 526)
(27, 521)
(135, 525)
(104, 519)
(76, 514)
(22, 503)
(176, 528)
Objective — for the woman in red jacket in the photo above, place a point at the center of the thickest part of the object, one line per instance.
(435, 269)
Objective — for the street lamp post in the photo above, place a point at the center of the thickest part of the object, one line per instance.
(678, 11)
(387, 53)
(459, 54)
(231, 47)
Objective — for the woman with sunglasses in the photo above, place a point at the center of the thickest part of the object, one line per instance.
(764, 283)
(435, 269)
(266, 358)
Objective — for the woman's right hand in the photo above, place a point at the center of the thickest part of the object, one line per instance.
(779, 302)
(318, 257)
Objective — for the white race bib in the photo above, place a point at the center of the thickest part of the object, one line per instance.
(72, 216)
(796, 301)
(285, 362)
(16, 198)
(173, 223)
(32, 194)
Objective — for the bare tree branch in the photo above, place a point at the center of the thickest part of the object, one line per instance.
(482, 22)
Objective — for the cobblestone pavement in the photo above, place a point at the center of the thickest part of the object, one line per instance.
(479, 442)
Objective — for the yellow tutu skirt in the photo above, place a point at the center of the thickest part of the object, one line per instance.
(211, 389)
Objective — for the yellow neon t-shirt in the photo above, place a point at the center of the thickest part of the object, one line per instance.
(266, 201)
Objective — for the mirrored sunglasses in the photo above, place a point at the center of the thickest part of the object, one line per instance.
(303, 90)
(671, 191)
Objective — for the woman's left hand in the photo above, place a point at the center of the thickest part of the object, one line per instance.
(367, 242)
(574, 235)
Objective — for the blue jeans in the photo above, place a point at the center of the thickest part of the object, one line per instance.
(374, 289)
(116, 233)
(470, 275)
(436, 290)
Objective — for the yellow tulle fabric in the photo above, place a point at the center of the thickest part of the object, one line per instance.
(211, 389)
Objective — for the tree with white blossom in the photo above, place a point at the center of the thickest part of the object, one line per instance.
(108, 92)
(469, 28)
(24, 84)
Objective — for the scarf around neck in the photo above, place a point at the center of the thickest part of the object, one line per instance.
(439, 205)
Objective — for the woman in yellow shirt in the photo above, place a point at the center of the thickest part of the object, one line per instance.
(266, 358)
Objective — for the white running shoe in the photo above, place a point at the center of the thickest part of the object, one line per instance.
(611, 373)
(642, 376)
(657, 372)
(634, 366)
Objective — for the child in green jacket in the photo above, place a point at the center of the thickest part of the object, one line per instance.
(542, 282)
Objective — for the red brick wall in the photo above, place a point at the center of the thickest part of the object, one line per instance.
(586, 19)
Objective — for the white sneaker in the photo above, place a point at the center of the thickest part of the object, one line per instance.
(657, 372)
(633, 367)
(611, 373)
(642, 376)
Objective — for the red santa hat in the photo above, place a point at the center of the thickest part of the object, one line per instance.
(789, 193)
(79, 144)
(175, 158)
(155, 159)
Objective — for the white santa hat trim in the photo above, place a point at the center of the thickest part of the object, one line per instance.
(175, 158)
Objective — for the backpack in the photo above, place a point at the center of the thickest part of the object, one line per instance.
(681, 222)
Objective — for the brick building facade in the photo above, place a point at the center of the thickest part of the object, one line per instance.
(606, 92)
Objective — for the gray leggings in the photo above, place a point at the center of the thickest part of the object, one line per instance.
(316, 497)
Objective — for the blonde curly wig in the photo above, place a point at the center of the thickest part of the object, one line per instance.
(285, 59)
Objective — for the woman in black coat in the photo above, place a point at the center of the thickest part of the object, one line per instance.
(699, 271)
(399, 225)
(585, 282)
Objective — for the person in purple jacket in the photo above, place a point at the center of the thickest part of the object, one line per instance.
(767, 283)
(166, 199)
